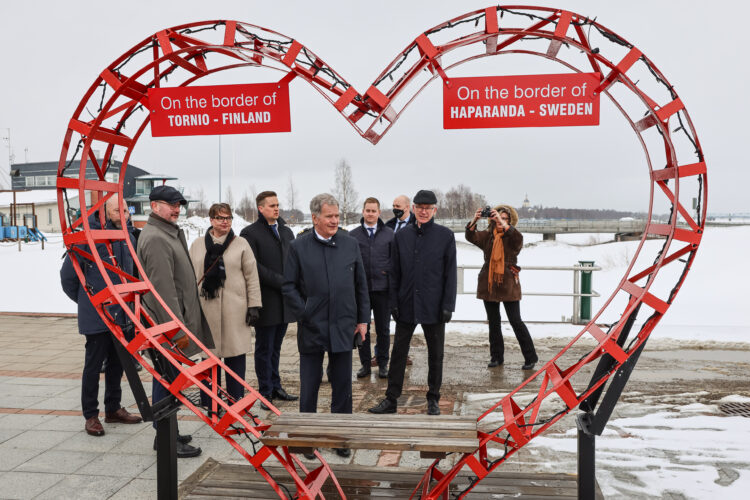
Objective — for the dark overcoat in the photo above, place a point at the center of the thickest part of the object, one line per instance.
(423, 281)
(376, 254)
(326, 290)
(89, 321)
(392, 221)
(509, 290)
(270, 257)
(164, 255)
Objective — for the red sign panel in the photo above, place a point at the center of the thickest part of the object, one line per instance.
(521, 101)
(249, 108)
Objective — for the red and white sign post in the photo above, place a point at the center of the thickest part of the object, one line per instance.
(521, 101)
(220, 109)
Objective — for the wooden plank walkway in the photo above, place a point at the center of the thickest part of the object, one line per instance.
(216, 480)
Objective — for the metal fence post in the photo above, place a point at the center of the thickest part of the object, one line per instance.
(576, 318)
(460, 279)
(586, 278)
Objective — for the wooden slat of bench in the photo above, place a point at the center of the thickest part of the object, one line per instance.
(371, 443)
(448, 422)
(433, 434)
(372, 431)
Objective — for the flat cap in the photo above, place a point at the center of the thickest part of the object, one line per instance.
(168, 194)
(425, 197)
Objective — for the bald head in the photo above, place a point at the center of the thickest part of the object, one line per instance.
(402, 203)
(112, 209)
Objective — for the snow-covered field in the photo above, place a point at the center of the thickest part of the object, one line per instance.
(709, 307)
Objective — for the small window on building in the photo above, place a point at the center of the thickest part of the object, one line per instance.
(112, 177)
(30, 181)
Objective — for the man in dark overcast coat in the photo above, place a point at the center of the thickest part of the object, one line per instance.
(423, 291)
(326, 289)
(269, 238)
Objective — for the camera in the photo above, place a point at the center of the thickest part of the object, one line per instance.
(486, 212)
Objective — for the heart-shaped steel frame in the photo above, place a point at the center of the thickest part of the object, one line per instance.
(180, 54)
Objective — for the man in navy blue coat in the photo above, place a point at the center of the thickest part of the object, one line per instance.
(100, 345)
(375, 244)
(423, 291)
(326, 290)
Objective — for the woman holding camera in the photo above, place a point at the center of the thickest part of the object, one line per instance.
(498, 279)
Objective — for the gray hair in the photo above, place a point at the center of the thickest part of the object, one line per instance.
(316, 204)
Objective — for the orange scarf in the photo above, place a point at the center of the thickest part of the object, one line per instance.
(496, 266)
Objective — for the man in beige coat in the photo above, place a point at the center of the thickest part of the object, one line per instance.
(229, 292)
(163, 253)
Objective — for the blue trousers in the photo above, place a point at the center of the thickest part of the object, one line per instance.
(382, 315)
(268, 341)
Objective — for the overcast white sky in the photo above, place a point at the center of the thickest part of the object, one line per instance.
(50, 52)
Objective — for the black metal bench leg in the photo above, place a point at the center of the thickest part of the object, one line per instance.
(586, 462)
(166, 457)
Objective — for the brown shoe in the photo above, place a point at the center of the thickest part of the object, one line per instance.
(122, 416)
(374, 362)
(408, 360)
(94, 427)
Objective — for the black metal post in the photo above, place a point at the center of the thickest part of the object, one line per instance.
(166, 457)
(586, 460)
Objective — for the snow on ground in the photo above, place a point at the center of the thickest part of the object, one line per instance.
(691, 450)
(709, 307)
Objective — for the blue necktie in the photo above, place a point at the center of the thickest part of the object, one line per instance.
(372, 231)
(275, 231)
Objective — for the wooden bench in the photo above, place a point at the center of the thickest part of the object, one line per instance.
(432, 436)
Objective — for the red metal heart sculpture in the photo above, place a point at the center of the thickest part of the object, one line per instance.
(179, 54)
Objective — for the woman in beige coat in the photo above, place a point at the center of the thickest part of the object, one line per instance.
(229, 292)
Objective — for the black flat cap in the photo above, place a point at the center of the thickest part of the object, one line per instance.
(168, 194)
(425, 197)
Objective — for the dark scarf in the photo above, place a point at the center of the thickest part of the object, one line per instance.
(214, 272)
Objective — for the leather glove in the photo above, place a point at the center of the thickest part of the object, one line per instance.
(446, 316)
(252, 316)
(182, 342)
(394, 313)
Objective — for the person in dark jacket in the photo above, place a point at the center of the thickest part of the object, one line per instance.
(402, 215)
(269, 238)
(326, 289)
(99, 341)
(422, 291)
(375, 245)
(498, 280)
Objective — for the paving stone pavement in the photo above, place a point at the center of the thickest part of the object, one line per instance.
(45, 452)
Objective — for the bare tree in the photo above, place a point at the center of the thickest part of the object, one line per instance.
(291, 194)
(228, 198)
(200, 208)
(246, 208)
(344, 191)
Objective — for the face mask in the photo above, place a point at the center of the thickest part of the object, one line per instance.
(398, 213)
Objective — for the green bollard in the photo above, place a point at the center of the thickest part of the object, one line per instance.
(586, 289)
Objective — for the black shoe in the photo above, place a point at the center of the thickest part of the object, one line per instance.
(385, 406)
(383, 372)
(494, 362)
(432, 407)
(529, 365)
(184, 450)
(264, 406)
(310, 456)
(283, 395)
(343, 452)
(364, 372)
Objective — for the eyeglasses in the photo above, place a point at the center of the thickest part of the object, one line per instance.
(425, 208)
(221, 218)
(176, 204)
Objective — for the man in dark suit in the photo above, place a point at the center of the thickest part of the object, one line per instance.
(269, 238)
(402, 215)
(326, 289)
(423, 291)
(375, 244)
